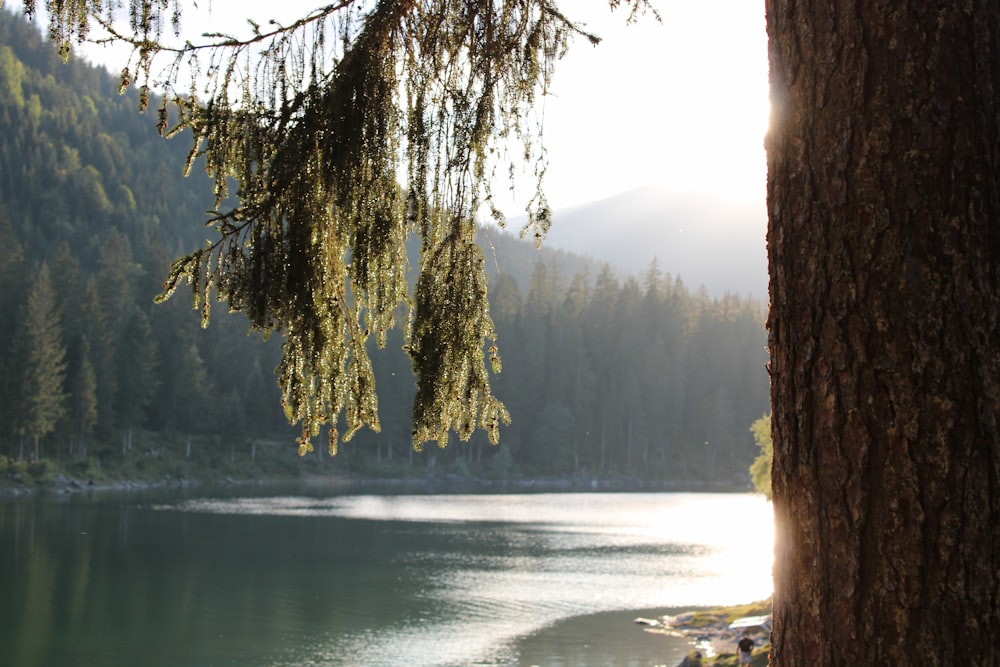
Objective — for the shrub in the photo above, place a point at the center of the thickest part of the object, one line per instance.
(85, 468)
(38, 468)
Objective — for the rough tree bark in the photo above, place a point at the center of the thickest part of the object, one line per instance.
(884, 250)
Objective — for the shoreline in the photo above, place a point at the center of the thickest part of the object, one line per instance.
(662, 636)
(708, 631)
(710, 640)
(65, 484)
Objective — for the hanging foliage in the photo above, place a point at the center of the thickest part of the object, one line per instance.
(340, 135)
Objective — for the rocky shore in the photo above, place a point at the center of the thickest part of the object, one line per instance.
(709, 631)
(710, 640)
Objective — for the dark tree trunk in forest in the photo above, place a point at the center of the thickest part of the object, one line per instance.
(884, 250)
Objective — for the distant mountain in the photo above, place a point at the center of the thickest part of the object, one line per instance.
(704, 240)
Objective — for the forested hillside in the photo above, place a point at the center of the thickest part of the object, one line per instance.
(603, 375)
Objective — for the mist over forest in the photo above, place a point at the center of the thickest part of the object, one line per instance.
(607, 373)
(709, 241)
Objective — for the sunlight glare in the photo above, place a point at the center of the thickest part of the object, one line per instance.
(682, 104)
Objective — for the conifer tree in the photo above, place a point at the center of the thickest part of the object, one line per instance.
(42, 396)
(259, 404)
(83, 402)
(97, 325)
(883, 245)
(194, 398)
(136, 380)
(601, 328)
(11, 297)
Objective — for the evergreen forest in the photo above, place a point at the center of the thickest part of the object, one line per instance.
(605, 375)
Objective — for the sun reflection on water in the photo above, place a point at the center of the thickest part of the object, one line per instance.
(726, 539)
(507, 565)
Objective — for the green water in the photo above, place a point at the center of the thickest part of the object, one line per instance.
(364, 580)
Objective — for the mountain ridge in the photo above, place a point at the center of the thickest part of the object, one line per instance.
(703, 239)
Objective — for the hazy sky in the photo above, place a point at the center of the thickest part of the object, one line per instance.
(682, 103)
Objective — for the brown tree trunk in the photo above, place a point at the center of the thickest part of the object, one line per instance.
(884, 250)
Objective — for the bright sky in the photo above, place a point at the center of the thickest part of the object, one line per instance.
(682, 104)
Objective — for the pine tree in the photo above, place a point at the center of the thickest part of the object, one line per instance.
(43, 400)
(136, 365)
(96, 324)
(12, 277)
(195, 399)
(883, 243)
(83, 402)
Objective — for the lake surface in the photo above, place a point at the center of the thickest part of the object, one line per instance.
(304, 579)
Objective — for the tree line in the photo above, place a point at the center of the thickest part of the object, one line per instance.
(603, 374)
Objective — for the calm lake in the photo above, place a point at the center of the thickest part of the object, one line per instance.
(305, 578)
